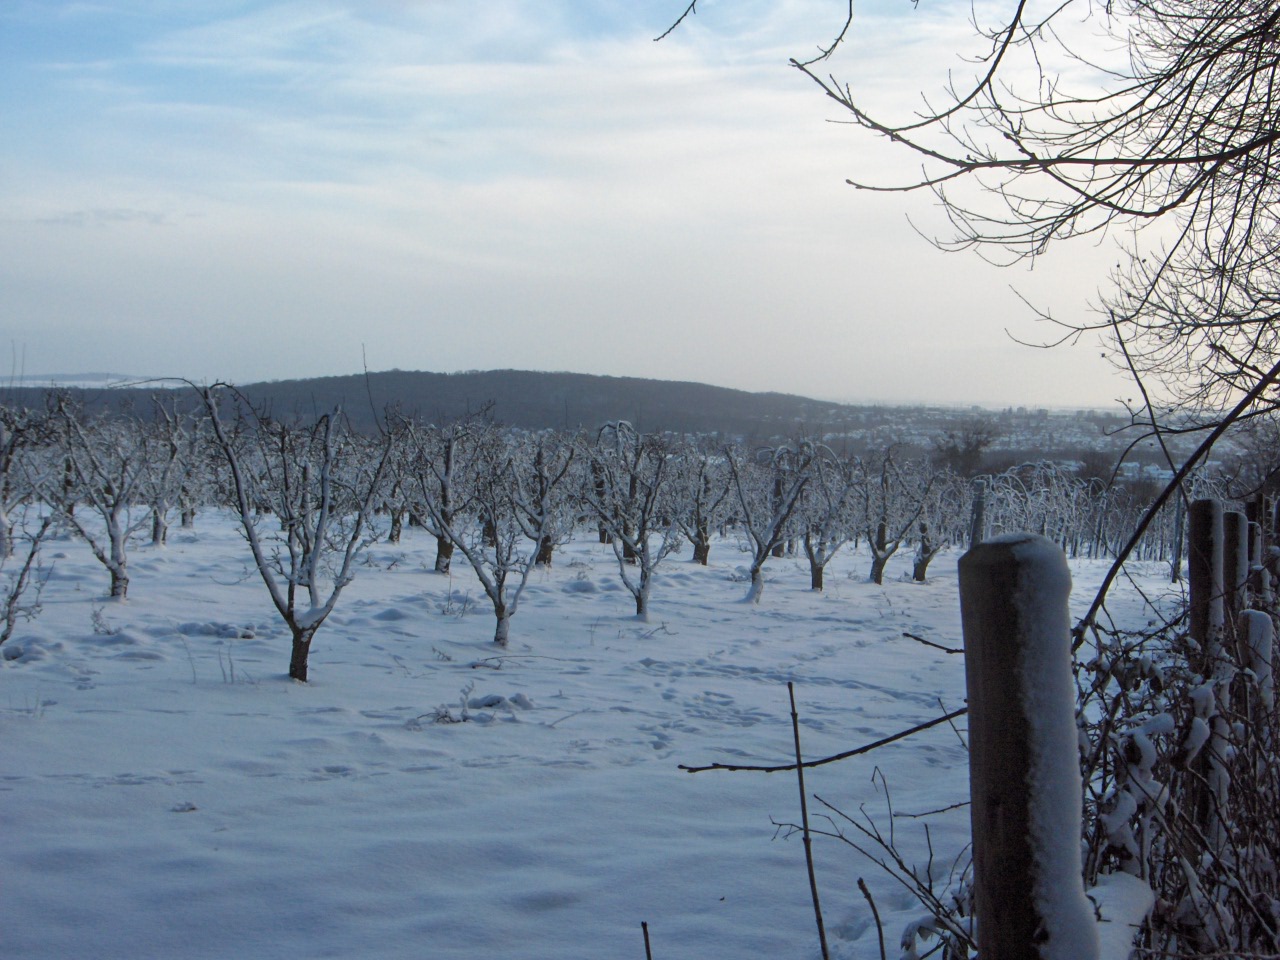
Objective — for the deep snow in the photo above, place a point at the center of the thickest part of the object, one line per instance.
(166, 792)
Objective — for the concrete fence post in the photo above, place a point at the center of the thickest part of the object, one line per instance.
(1204, 573)
(978, 514)
(1024, 764)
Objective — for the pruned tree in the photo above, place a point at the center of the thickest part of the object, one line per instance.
(23, 433)
(171, 443)
(703, 492)
(305, 497)
(765, 508)
(892, 496)
(21, 580)
(105, 462)
(826, 513)
(939, 523)
(632, 497)
(511, 506)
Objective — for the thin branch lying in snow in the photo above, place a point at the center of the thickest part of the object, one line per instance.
(930, 643)
(867, 748)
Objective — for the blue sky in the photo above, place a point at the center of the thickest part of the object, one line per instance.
(260, 190)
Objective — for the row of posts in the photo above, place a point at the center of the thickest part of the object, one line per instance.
(1025, 786)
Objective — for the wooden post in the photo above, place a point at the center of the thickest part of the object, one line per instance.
(1206, 624)
(1204, 574)
(978, 518)
(1260, 594)
(1179, 536)
(1024, 764)
(1235, 564)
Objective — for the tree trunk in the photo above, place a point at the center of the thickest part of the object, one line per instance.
(815, 575)
(701, 551)
(444, 554)
(920, 569)
(159, 527)
(545, 549)
(397, 526)
(757, 584)
(119, 583)
(927, 552)
(502, 632)
(878, 563)
(301, 652)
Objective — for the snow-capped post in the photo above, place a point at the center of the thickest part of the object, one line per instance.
(1024, 770)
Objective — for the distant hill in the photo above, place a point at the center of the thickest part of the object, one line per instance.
(519, 398)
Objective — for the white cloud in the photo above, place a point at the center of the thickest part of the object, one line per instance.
(258, 195)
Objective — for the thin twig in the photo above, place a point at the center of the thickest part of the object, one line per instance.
(648, 953)
(804, 823)
(875, 913)
(832, 759)
(930, 643)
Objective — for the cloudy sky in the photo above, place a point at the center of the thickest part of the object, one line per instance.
(245, 190)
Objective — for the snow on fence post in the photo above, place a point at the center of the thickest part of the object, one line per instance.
(978, 516)
(1024, 770)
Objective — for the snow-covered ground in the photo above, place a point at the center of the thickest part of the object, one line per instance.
(165, 792)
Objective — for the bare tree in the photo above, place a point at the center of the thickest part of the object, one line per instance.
(961, 448)
(632, 497)
(826, 513)
(764, 508)
(515, 499)
(893, 495)
(23, 582)
(171, 447)
(21, 432)
(320, 484)
(703, 496)
(105, 463)
(449, 450)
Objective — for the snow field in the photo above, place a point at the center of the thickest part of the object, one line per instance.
(167, 792)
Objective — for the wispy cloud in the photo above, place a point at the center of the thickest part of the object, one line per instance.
(458, 186)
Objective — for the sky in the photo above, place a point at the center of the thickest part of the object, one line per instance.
(248, 190)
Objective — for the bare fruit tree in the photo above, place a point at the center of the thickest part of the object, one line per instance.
(703, 497)
(893, 495)
(827, 512)
(632, 495)
(515, 499)
(305, 495)
(764, 505)
(105, 463)
(25, 523)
